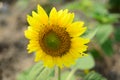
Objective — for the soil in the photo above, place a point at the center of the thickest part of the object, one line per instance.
(13, 54)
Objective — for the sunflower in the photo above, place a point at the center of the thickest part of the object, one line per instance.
(55, 39)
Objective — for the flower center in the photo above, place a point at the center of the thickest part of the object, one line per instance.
(54, 41)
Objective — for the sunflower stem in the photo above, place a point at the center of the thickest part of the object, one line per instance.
(59, 73)
(71, 74)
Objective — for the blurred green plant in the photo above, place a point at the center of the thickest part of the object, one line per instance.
(37, 72)
(103, 20)
(115, 3)
(94, 76)
(84, 63)
(117, 34)
(22, 4)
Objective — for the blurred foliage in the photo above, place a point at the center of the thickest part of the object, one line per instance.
(114, 6)
(103, 32)
(94, 76)
(65, 76)
(114, 3)
(22, 4)
(37, 72)
(117, 34)
(84, 63)
(104, 20)
(107, 47)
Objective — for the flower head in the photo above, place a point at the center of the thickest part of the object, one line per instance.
(55, 39)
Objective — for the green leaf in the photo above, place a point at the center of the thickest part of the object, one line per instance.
(32, 72)
(85, 63)
(65, 75)
(117, 34)
(37, 72)
(36, 69)
(23, 75)
(95, 54)
(84, 5)
(73, 5)
(103, 33)
(90, 33)
(107, 46)
(94, 76)
(45, 74)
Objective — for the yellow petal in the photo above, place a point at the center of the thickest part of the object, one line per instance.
(33, 46)
(76, 29)
(58, 61)
(38, 55)
(78, 44)
(31, 34)
(79, 41)
(48, 61)
(77, 52)
(32, 22)
(61, 13)
(80, 49)
(53, 17)
(65, 18)
(38, 18)
(34, 14)
(43, 17)
(74, 53)
(69, 61)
